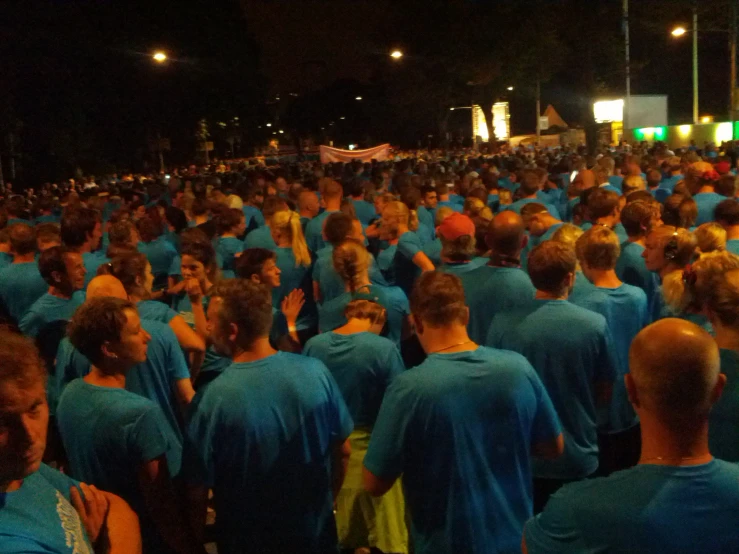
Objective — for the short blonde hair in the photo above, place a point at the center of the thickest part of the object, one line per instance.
(598, 247)
(711, 237)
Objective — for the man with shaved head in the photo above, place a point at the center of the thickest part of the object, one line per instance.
(501, 284)
(679, 498)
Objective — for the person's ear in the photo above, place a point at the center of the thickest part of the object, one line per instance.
(57, 277)
(631, 391)
(524, 241)
(107, 350)
(417, 324)
(255, 279)
(233, 332)
(466, 316)
(718, 389)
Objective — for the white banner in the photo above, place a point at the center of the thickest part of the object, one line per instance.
(379, 153)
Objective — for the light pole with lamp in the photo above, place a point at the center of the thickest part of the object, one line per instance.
(160, 57)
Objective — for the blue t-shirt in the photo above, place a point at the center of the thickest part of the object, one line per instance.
(49, 308)
(616, 181)
(228, 247)
(331, 313)
(48, 218)
(723, 424)
(260, 238)
(182, 305)
(153, 379)
(433, 251)
(406, 272)
(5, 259)
(554, 335)
(314, 232)
(108, 434)
(426, 233)
(459, 429)
(385, 263)
(707, 202)
(462, 268)
(39, 517)
(20, 286)
(329, 282)
(489, 290)
(669, 183)
(154, 310)
(626, 311)
(92, 261)
(363, 365)
(261, 435)
(733, 246)
(251, 212)
(426, 217)
(632, 270)
(649, 508)
(160, 254)
(365, 211)
(295, 277)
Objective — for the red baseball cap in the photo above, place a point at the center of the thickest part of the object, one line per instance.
(722, 168)
(456, 225)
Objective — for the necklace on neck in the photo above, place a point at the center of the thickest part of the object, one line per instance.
(675, 461)
(452, 346)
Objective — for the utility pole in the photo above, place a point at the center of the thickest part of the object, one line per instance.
(695, 63)
(538, 111)
(627, 44)
(732, 73)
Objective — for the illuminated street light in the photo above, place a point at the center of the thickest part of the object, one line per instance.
(269, 125)
(510, 88)
(396, 54)
(159, 57)
(679, 31)
(358, 99)
(342, 117)
(282, 132)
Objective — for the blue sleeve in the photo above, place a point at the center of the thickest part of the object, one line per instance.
(554, 530)
(385, 456)
(316, 274)
(313, 235)
(145, 439)
(30, 324)
(176, 365)
(545, 426)
(494, 337)
(58, 480)
(553, 211)
(409, 245)
(394, 363)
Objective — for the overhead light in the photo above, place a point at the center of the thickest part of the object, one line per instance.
(510, 88)
(396, 54)
(160, 57)
(451, 109)
(269, 125)
(358, 98)
(282, 132)
(342, 117)
(707, 119)
(679, 31)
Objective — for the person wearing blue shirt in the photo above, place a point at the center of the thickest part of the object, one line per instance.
(501, 284)
(230, 224)
(41, 509)
(675, 174)
(363, 364)
(269, 436)
(530, 189)
(327, 284)
(604, 209)
(706, 199)
(262, 237)
(64, 272)
(638, 218)
(295, 264)
(157, 249)
(458, 250)
(81, 230)
(552, 334)
(198, 268)
(625, 309)
(726, 214)
(679, 498)
(114, 438)
(331, 196)
(365, 210)
(352, 261)
(470, 413)
(308, 207)
(21, 283)
(409, 260)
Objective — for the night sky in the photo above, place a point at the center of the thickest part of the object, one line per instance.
(78, 86)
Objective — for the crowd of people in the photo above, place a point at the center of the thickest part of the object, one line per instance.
(535, 351)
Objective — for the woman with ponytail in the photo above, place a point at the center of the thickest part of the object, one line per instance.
(363, 365)
(409, 260)
(352, 262)
(295, 264)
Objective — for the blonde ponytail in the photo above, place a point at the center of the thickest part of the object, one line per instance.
(289, 222)
(413, 220)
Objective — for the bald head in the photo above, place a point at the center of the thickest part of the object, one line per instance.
(587, 178)
(106, 286)
(674, 369)
(505, 234)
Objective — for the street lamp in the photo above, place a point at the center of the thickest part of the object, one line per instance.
(159, 57)
(509, 88)
(679, 31)
(358, 99)
(396, 54)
